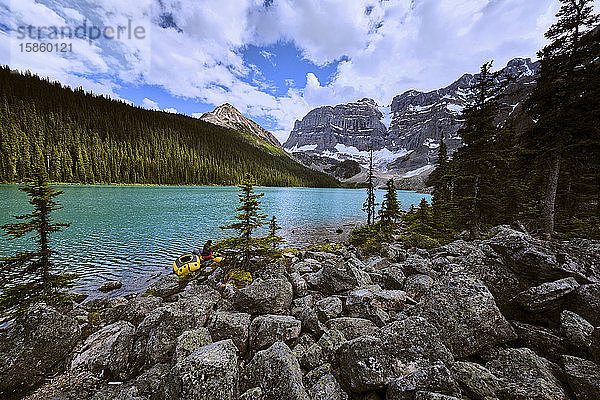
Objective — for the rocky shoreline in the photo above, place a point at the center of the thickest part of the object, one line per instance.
(508, 317)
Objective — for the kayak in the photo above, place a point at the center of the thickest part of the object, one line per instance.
(192, 263)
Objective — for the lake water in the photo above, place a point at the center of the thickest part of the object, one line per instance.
(133, 233)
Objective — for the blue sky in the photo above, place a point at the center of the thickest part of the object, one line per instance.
(274, 60)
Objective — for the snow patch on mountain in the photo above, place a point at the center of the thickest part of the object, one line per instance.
(308, 147)
(418, 171)
(387, 116)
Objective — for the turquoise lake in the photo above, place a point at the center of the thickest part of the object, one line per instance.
(134, 233)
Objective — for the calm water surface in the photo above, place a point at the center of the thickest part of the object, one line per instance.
(133, 233)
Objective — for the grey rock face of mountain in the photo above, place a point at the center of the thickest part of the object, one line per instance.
(228, 116)
(418, 120)
(354, 124)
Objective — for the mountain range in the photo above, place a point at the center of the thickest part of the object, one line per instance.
(405, 135)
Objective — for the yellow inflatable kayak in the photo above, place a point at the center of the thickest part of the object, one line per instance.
(192, 263)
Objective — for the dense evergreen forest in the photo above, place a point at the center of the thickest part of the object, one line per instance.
(544, 177)
(77, 137)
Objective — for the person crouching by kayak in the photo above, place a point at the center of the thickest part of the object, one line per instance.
(207, 251)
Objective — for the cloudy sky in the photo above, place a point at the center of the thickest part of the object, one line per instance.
(272, 59)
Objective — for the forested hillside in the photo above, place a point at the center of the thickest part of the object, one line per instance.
(82, 138)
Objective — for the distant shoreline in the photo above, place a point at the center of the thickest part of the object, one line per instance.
(211, 185)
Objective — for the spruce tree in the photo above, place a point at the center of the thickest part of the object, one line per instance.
(473, 184)
(273, 228)
(369, 204)
(31, 276)
(439, 179)
(390, 207)
(554, 102)
(250, 219)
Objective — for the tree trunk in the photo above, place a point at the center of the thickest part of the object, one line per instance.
(547, 217)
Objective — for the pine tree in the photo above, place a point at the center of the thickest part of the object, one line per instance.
(390, 207)
(273, 228)
(250, 219)
(473, 186)
(369, 204)
(439, 179)
(558, 128)
(30, 276)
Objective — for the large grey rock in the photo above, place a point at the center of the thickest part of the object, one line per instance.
(495, 273)
(323, 351)
(576, 329)
(138, 308)
(330, 342)
(272, 296)
(595, 346)
(337, 277)
(196, 303)
(534, 260)
(81, 385)
(310, 321)
(298, 284)
(110, 286)
(377, 263)
(352, 328)
(300, 303)
(547, 296)
(583, 377)
(395, 252)
(314, 375)
(417, 286)
(268, 329)
(527, 375)
(107, 351)
(417, 265)
(393, 277)
(211, 372)
(165, 286)
(311, 357)
(37, 341)
(277, 372)
(156, 335)
(543, 341)
(328, 308)
(327, 388)
(373, 303)
(585, 301)
(157, 383)
(476, 381)
(230, 325)
(434, 378)
(372, 362)
(462, 307)
(190, 341)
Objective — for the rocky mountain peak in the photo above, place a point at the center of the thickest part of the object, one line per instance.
(406, 135)
(230, 117)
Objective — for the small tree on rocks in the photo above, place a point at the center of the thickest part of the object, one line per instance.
(30, 276)
(390, 207)
(249, 220)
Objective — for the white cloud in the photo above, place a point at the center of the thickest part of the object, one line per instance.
(150, 104)
(193, 47)
(170, 110)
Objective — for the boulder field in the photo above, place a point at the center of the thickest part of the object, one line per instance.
(510, 317)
